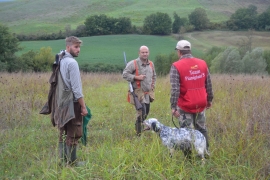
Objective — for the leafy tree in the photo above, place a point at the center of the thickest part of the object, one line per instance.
(80, 31)
(199, 19)
(266, 56)
(245, 44)
(160, 61)
(176, 23)
(103, 25)
(254, 62)
(44, 60)
(122, 26)
(264, 20)
(40, 61)
(218, 64)
(28, 59)
(101, 67)
(184, 21)
(157, 24)
(9, 45)
(97, 25)
(233, 63)
(211, 54)
(163, 63)
(243, 18)
(3, 66)
(68, 31)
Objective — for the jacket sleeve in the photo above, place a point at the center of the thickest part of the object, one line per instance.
(128, 73)
(175, 86)
(208, 87)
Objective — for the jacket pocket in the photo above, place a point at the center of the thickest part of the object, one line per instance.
(195, 100)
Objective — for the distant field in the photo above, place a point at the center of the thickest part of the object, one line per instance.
(109, 49)
(207, 39)
(39, 16)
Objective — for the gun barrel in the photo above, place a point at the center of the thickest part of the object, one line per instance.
(125, 57)
(137, 103)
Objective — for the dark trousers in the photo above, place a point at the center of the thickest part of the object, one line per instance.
(72, 131)
(143, 113)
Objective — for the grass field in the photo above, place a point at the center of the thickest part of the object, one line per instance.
(109, 49)
(39, 16)
(206, 39)
(238, 125)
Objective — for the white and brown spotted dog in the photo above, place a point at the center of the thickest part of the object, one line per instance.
(174, 138)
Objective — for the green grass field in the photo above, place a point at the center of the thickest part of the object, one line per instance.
(206, 39)
(238, 125)
(39, 16)
(109, 49)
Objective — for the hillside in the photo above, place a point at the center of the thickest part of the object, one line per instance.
(109, 49)
(33, 16)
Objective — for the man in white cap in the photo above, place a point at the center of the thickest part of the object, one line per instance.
(191, 89)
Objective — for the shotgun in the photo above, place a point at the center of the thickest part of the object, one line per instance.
(137, 103)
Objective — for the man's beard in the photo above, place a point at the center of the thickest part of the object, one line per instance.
(73, 54)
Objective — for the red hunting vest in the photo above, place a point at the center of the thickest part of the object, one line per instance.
(193, 96)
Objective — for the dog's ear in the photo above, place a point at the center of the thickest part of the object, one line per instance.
(154, 127)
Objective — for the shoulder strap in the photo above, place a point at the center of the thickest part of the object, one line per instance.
(137, 74)
(151, 65)
(137, 71)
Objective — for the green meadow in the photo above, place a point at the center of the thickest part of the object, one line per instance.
(109, 49)
(238, 125)
(51, 16)
(47, 16)
(238, 122)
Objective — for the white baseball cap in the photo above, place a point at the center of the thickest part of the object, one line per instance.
(183, 45)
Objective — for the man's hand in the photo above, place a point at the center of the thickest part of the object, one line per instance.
(84, 111)
(175, 113)
(140, 77)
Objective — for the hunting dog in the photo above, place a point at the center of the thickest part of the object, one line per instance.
(182, 138)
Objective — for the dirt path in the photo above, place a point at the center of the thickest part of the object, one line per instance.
(189, 35)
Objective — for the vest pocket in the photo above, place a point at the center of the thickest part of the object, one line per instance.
(194, 100)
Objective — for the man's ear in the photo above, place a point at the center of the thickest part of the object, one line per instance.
(179, 53)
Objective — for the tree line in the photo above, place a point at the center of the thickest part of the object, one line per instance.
(36, 61)
(223, 60)
(154, 24)
(160, 24)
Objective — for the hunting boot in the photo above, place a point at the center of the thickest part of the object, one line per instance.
(138, 126)
(62, 153)
(72, 156)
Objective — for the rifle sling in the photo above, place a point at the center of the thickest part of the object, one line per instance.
(137, 73)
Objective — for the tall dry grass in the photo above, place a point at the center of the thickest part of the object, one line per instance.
(238, 125)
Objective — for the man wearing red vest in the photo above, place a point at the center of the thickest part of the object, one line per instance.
(141, 73)
(191, 89)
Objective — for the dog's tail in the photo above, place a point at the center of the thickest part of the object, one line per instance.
(207, 152)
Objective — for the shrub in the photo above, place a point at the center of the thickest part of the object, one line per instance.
(163, 63)
(101, 67)
(254, 62)
(157, 24)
